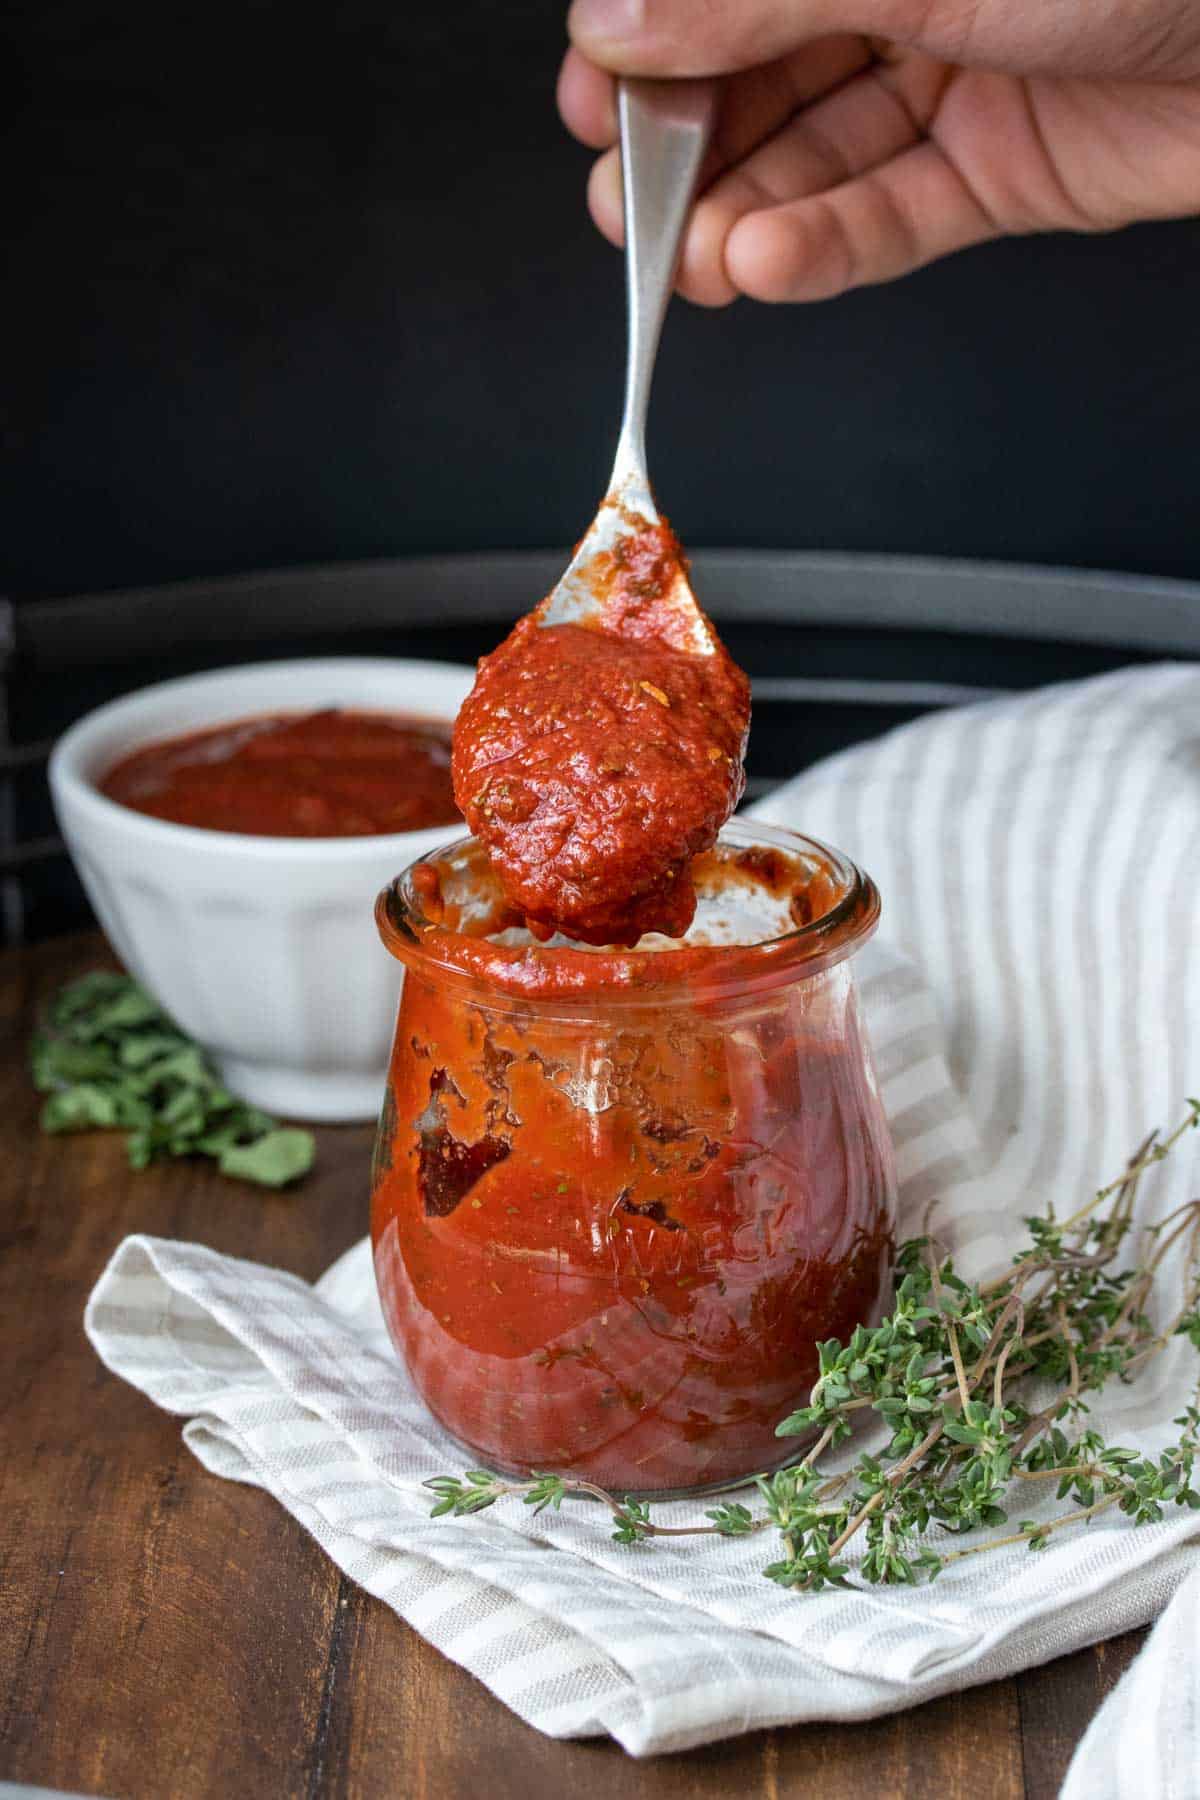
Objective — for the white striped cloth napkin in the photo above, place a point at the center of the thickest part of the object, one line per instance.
(1035, 1009)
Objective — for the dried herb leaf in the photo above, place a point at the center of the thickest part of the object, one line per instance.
(272, 1160)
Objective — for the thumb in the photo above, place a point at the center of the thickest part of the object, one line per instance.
(716, 37)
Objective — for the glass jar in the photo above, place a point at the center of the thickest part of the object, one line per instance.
(619, 1197)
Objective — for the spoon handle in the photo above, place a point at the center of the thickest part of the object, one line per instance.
(665, 129)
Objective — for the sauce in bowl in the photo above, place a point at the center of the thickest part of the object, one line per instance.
(321, 774)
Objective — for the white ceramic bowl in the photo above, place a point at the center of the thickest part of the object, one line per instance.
(263, 948)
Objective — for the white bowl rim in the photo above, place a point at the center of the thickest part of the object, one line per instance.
(66, 777)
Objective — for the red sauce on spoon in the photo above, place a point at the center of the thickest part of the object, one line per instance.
(596, 761)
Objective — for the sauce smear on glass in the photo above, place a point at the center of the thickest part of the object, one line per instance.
(620, 1197)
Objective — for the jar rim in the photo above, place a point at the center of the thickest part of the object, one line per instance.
(580, 977)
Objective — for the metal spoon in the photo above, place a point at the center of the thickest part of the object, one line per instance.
(665, 128)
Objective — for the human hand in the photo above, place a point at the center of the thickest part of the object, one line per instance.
(859, 139)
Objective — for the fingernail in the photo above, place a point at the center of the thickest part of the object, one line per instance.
(606, 21)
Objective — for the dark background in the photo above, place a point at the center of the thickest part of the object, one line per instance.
(294, 285)
(291, 285)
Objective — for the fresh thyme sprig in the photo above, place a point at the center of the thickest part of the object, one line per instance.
(953, 1373)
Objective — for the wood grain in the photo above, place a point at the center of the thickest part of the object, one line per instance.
(165, 1633)
(1055, 1713)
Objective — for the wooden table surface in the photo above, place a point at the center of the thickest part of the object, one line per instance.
(163, 1632)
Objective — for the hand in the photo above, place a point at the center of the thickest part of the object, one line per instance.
(842, 157)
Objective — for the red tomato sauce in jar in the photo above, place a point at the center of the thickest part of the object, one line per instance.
(322, 774)
(620, 1197)
(595, 763)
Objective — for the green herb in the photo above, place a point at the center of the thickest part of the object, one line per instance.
(107, 1056)
(953, 1374)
